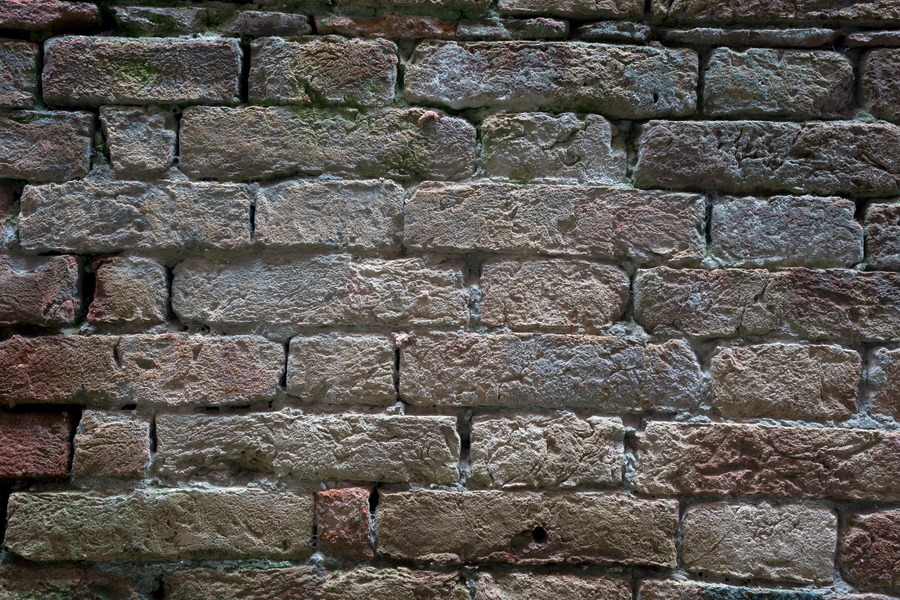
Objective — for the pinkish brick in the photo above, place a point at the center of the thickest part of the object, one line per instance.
(342, 520)
(34, 444)
(870, 551)
(39, 290)
(48, 15)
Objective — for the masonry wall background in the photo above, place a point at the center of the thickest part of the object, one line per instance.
(450, 299)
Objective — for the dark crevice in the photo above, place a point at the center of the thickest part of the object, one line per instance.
(245, 72)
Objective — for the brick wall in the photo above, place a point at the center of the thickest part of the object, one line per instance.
(450, 299)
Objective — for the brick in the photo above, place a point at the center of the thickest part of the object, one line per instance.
(474, 6)
(141, 141)
(111, 444)
(883, 379)
(744, 157)
(880, 83)
(883, 235)
(659, 589)
(628, 82)
(18, 73)
(34, 444)
(281, 294)
(786, 231)
(547, 451)
(790, 462)
(614, 31)
(323, 70)
(161, 525)
(527, 528)
(604, 222)
(890, 39)
(870, 550)
(39, 290)
(23, 581)
(390, 448)
(552, 294)
(159, 370)
(495, 28)
(763, 82)
(343, 523)
(304, 583)
(93, 217)
(387, 26)
(543, 147)
(49, 15)
(804, 37)
(603, 374)
(838, 304)
(782, 543)
(786, 381)
(342, 369)
(576, 9)
(521, 586)
(83, 71)
(357, 215)
(129, 289)
(261, 23)
(159, 21)
(263, 142)
(767, 12)
(40, 146)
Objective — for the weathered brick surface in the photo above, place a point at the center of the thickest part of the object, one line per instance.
(883, 235)
(786, 231)
(880, 83)
(48, 15)
(342, 369)
(890, 39)
(604, 374)
(358, 215)
(343, 523)
(543, 147)
(257, 22)
(387, 448)
(161, 524)
(883, 379)
(41, 146)
(772, 11)
(84, 71)
(579, 9)
(34, 444)
(790, 543)
(387, 26)
(870, 550)
(29, 581)
(786, 381)
(129, 289)
(160, 21)
(519, 586)
(614, 31)
(324, 71)
(236, 143)
(281, 293)
(464, 5)
(660, 589)
(547, 451)
(791, 462)
(101, 216)
(18, 73)
(141, 141)
(742, 157)
(804, 37)
(111, 444)
(39, 290)
(604, 222)
(619, 81)
(526, 528)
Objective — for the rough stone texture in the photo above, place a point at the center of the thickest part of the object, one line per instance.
(566, 295)
(742, 157)
(526, 528)
(880, 83)
(141, 141)
(18, 73)
(658, 589)
(261, 23)
(327, 71)
(239, 143)
(48, 15)
(578, 9)
(343, 523)
(630, 82)
(791, 462)
(159, 21)
(857, 12)
(547, 451)
(475, 6)
(761, 82)
(883, 235)
(521, 586)
(810, 37)
(129, 289)
(24, 581)
(604, 374)
(387, 26)
(543, 147)
(39, 290)
(41, 146)
(787, 543)
(858, 39)
(163, 370)
(34, 444)
(539, 28)
(161, 524)
(786, 231)
(84, 71)
(870, 550)
(342, 369)
(883, 378)
(355, 215)
(91, 217)
(605, 222)
(280, 293)
(786, 381)
(614, 31)
(390, 448)
(831, 304)
(111, 444)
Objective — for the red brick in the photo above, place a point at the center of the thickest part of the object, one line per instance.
(39, 290)
(34, 444)
(48, 15)
(342, 522)
(870, 551)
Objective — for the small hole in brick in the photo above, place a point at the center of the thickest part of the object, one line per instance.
(540, 535)
(129, 407)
